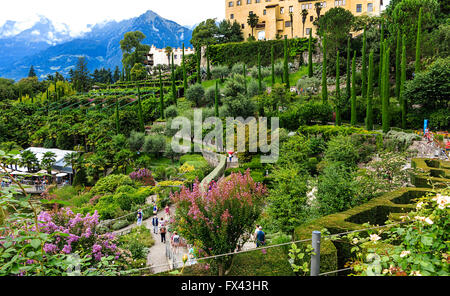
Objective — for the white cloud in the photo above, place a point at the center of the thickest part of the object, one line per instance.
(78, 15)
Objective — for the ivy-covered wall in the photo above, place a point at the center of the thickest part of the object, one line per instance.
(247, 52)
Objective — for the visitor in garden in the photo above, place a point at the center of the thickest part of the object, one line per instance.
(162, 231)
(139, 217)
(175, 242)
(256, 232)
(155, 209)
(260, 238)
(155, 224)
(167, 210)
(191, 255)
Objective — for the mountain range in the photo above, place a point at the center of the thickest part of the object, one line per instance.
(50, 49)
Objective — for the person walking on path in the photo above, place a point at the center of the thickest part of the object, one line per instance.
(260, 238)
(175, 242)
(162, 231)
(155, 209)
(167, 211)
(155, 224)
(139, 217)
(255, 233)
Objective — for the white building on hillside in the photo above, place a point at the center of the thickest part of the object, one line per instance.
(158, 56)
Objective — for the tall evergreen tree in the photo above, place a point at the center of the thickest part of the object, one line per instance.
(380, 73)
(161, 95)
(245, 78)
(185, 86)
(385, 92)
(208, 68)
(353, 97)
(338, 92)
(398, 54)
(216, 99)
(417, 65)
(32, 73)
(286, 63)
(272, 62)
(117, 117)
(324, 72)
(259, 73)
(174, 87)
(403, 102)
(310, 63)
(140, 113)
(364, 66)
(116, 76)
(199, 73)
(369, 110)
(348, 91)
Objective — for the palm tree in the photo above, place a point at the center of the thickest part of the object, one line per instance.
(168, 52)
(252, 21)
(291, 16)
(29, 160)
(48, 160)
(74, 159)
(304, 15)
(318, 7)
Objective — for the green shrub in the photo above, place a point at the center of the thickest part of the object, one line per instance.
(314, 111)
(110, 183)
(399, 141)
(119, 224)
(341, 149)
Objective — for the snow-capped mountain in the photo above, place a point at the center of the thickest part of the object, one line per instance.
(51, 49)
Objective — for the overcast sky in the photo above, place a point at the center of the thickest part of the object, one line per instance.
(79, 13)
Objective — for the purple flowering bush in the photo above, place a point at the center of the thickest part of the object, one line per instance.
(80, 234)
(143, 175)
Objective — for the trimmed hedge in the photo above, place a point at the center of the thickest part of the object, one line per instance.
(435, 171)
(246, 52)
(376, 211)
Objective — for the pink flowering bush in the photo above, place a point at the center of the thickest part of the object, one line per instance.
(80, 234)
(216, 220)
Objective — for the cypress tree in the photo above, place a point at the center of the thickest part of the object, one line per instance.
(117, 117)
(161, 95)
(272, 61)
(348, 85)
(380, 71)
(353, 97)
(185, 86)
(385, 93)
(259, 73)
(324, 72)
(398, 53)
(245, 78)
(369, 111)
(338, 93)
(174, 87)
(286, 63)
(403, 101)
(216, 99)
(199, 75)
(418, 41)
(310, 63)
(364, 67)
(208, 69)
(141, 118)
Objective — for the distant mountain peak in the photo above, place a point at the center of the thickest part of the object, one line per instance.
(49, 46)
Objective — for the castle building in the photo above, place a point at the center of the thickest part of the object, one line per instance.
(158, 56)
(284, 17)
